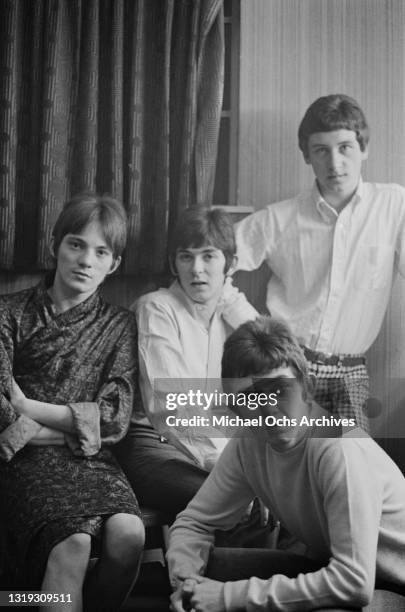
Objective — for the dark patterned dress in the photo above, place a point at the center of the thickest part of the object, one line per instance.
(85, 358)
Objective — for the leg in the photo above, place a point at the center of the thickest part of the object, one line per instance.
(116, 571)
(161, 476)
(343, 391)
(66, 570)
(387, 601)
(383, 601)
(229, 564)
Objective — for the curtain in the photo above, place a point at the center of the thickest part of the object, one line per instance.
(116, 96)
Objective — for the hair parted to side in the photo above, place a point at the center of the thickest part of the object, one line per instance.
(262, 345)
(333, 112)
(200, 226)
(86, 208)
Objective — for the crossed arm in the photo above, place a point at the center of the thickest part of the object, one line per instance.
(83, 424)
(54, 419)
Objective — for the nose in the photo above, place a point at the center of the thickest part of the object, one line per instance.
(198, 265)
(86, 259)
(334, 159)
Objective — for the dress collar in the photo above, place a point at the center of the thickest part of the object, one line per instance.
(44, 300)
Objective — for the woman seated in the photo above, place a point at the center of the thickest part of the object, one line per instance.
(182, 330)
(67, 368)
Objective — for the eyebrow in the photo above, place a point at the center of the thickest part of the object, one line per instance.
(190, 249)
(323, 144)
(80, 238)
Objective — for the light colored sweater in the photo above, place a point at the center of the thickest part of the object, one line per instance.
(344, 498)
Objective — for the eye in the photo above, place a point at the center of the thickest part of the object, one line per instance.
(184, 257)
(209, 256)
(74, 244)
(320, 151)
(103, 252)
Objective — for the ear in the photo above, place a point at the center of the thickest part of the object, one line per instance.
(52, 248)
(306, 158)
(364, 154)
(115, 265)
(232, 267)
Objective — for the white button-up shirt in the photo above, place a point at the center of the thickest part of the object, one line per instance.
(180, 349)
(331, 273)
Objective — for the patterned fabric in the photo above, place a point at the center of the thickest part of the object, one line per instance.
(85, 357)
(343, 391)
(112, 96)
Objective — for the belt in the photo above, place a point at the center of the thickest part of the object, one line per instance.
(333, 360)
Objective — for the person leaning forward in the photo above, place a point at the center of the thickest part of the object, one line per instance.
(335, 490)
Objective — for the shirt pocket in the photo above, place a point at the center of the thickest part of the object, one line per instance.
(375, 267)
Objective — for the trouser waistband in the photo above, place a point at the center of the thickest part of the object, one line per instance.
(333, 360)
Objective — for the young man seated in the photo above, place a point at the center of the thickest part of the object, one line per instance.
(182, 330)
(332, 487)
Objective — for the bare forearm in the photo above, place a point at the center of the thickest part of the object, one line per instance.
(48, 437)
(52, 416)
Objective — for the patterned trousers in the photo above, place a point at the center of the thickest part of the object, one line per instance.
(342, 390)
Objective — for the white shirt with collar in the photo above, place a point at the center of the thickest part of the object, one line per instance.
(331, 273)
(177, 343)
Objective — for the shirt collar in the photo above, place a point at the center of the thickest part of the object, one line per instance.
(196, 310)
(326, 211)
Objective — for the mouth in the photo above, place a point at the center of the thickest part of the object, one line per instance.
(336, 177)
(81, 275)
(198, 284)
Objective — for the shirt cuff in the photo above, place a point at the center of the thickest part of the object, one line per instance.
(86, 420)
(16, 436)
(234, 307)
(235, 595)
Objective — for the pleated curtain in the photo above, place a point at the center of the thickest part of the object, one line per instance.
(116, 96)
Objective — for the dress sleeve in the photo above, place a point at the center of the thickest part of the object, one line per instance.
(106, 420)
(353, 505)
(15, 429)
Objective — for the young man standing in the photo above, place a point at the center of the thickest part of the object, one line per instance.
(340, 496)
(332, 251)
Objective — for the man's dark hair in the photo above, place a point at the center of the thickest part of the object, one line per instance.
(333, 112)
(259, 346)
(87, 208)
(198, 227)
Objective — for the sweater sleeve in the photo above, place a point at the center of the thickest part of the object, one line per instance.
(219, 504)
(352, 502)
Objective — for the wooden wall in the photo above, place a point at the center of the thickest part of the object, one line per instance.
(293, 51)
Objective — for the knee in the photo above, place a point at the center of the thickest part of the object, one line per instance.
(72, 554)
(125, 535)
